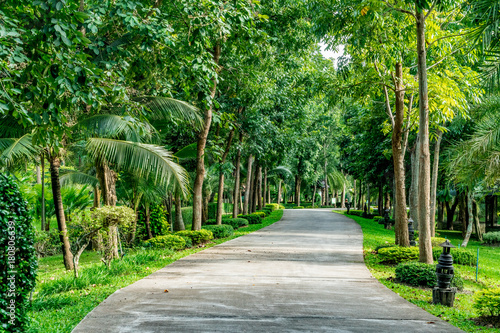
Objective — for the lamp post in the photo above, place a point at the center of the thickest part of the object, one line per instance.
(442, 293)
(387, 223)
(411, 232)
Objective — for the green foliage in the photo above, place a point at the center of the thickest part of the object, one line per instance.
(383, 246)
(437, 240)
(158, 220)
(187, 214)
(281, 206)
(47, 243)
(356, 212)
(172, 242)
(397, 254)
(259, 214)
(114, 215)
(487, 302)
(18, 262)
(220, 231)
(377, 218)
(491, 237)
(252, 219)
(298, 207)
(235, 223)
(197, 236)
(273, 206)
(212, 209)
(460, 256)
(420, 274)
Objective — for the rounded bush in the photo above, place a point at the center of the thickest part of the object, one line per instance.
(18, 261)
(420, 274)
(397, 254)
(437, 240)
(491, 237)
(298, 207)
(383, 246)
(460, 256)
(173, 242)
(220, 231)
(487, 302)
(251, 219)
(259, 214)
(197, 236)
(235, 223)
(273, 206)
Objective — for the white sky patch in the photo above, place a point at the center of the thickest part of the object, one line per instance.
(333, 55)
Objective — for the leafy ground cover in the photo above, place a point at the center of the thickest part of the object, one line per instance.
(60, 301)
(463, 313)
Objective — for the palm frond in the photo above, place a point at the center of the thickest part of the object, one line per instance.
(164, 108)
(70, 177)
(19, 149)
(10, 128)
(187, 152)
(145, 160)
(115, 126)
(281, 170)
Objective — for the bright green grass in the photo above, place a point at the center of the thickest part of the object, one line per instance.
(60, 301)
(489, 275)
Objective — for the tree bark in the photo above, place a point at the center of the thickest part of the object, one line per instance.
(220, 193)
(298, 180)
(279, 192)
(45, 226)
(259, 188)
(414, 185)
(354, 195)
(398, 153)
(434, 183)
(264, 191)
(248, 184)
(147, 218)
(424, 183)
(254, 190)
(38, 175)
(237, 194)
(470, 221)
(342, 204)
(477, 224)
(450, 213)
(55, 164)
(179, 222)
(200, 152)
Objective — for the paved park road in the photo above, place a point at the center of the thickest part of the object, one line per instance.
(304, 273)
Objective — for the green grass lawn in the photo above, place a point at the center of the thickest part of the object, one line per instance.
(60, 301)
(463, 311)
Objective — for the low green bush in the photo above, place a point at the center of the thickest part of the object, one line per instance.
(172, 242)
(235, 223)
(397, 254)
(437, 240)
(460, 256)
(281, 206)
(356, 212)
(420, 274)
(259, 214)
(197, 236)
(298, 207)
(273, 206)
(268, 211)
(220, 231)
(487, 302)
(491, 237)
(252, 219)
(383, 246)
(47, 243)
(377, 218)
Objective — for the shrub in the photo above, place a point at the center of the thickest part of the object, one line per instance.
(212, 209)
(281, 206)
(47, 243)
(420, 274)
(252, 219)
(397, 254)
(487, 302)
(437, 240)
(298, 207)
(187, 214)
(377, 218)
(173, 242)
(259, 214)
(268, 211)
(235, 223)
(491, 237)
(383, 246)
(273, 206)
(220, 231)
(197, 236)
(356, 212)
(18, 262)
(460, 256)
(157, 220)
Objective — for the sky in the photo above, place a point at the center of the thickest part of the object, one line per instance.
(331, 54)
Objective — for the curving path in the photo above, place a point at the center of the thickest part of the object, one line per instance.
(304, 273)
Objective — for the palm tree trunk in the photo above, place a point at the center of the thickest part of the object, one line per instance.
(237, 194)
(55, 163)
(434, 183)
(200, 152)
(179, 222)
(247, 185)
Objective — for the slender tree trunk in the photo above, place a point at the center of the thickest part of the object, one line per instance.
(55, 164)
(342, 205)
(259, 188)
(414, 208)
(200, 152)
(298, 180)
(204, 207)
(440, 221)
(254, 188)
(326, 182)
(97, 197)
(45, 225)
(477, 224)
(360, 196)
(265, 188)
(368, 195)
(380, 199)
(220, 193)
(248, 184)
(279, 192)
(179, 222)
(237, 195)
(354, 195)
(147, 218)
(450, 212)
(470, 221)
(168, 202)
(424, 184)
(38, 175)
(434, 183)
(314, 196)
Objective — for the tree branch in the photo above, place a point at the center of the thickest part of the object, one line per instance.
(430, 10)
(400, 10)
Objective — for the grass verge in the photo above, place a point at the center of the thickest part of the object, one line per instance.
(463, 311)
(60, 301)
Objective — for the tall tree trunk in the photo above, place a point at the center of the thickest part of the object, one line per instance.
(55, 164)
(414, 185)
(38, 175)
(200, 152)
(424, 184)
(220, 193)
(381, 199)
(354, 195)
(265, 188)
(237, 195)
(168, 202)
(470, 221)
(326, 182)
(179, 222)
(97, 197)
(450, 212)
(314, 195)
(360, 195)
(254, 190)
(45, 226)
(477, 224)
(248, 184)
(342, 205)
(147, 219)
(368, 195)
(279, 192)
(440, 221)
(434, 183)
(298, 180)
(259, 188)
(398, 153)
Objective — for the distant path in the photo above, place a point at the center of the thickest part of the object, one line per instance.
(304, 273)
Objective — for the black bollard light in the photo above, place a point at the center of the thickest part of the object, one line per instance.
(387, 224)
(411, 232)
(443, 294)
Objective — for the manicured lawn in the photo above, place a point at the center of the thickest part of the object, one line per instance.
(60, 301)
(460, 315)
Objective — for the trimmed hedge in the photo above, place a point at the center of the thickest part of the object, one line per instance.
(173, 242)
(273, 206)
(420, 274)
(491, 237)
(397, 254)
(356, 212)
(259, 214)
(383, 246)
(235, 223)
(18, 261)
(487, 302)
(252, 219)
(220, 231)
(460, 256)
(298, 207)
(197, 236)
(437, 240)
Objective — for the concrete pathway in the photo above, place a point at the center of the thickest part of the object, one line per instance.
(304, 273)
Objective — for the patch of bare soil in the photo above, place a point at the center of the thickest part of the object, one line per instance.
(488, 321)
